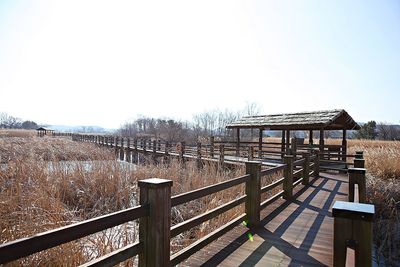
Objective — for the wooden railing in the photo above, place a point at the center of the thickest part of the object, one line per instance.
(353, 220)
(26, 246)
(154, 214)
(332, 157)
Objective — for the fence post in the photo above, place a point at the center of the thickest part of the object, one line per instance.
(155, 151)
(352, 228)
(359, 155)
(221, 156)
(251, 153)
(288, 174)
(306, 168)
(182, 152)
(359, 163)
(253, 192)
(159, 145)
(135, 151)
(316, 163)
(357, 176)
(166, 153)
(198, 158)
(154, 230)
(212, 146)
(122, 150)
(116, 146)
(128, 150)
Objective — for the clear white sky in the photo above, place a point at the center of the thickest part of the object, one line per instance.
(103, 62)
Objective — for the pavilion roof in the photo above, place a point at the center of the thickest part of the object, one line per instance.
(337, 119)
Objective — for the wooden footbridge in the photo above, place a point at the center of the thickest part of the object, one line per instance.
(308, 218)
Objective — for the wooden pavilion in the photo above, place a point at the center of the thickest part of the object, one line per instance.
(43, 131)
(321, 121)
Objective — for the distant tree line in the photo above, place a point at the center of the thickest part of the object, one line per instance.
(202, 126)
(381, 131)
(10, 122)
(213, 122)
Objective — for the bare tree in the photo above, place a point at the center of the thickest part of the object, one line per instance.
(252, 109)
(8, 121)
(388, 131)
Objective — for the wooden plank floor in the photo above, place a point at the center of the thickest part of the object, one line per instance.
(292, 233)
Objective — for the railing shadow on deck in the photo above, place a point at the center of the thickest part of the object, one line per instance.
(274, 239)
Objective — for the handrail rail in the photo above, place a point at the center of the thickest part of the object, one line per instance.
(116, 256)
(188, 224)
(272, 185)
(299, 162)
(273, 170)
(207, 190)
(26, 246)
(199, 244)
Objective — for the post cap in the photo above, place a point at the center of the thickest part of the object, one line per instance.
(154, 183)
(354, 211)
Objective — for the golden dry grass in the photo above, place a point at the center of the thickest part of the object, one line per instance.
(49, 149)
(36, 196)
(17, 133)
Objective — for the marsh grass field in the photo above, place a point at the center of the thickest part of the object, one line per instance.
(35, 198)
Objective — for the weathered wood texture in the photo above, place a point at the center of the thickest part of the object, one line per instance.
(154, 230)
(292, 233)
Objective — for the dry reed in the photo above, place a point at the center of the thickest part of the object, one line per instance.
(38, 195)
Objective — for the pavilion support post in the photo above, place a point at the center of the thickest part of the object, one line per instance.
(260, 140)
(251, 153)
(344, 146)
(310, 138)
(287, 142)
(321, 143)
(316, 162)
(283, 144)
(293, 145)
(306, 168)
(237, 142)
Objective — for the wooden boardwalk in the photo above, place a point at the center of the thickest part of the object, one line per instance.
(292, 233)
